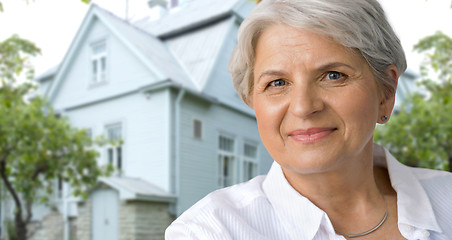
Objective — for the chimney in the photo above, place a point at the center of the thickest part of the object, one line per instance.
(174, 3)
(158, 8)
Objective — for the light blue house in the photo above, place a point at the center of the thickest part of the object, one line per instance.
(162, 86)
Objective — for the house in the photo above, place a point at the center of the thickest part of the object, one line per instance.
(162, 86)
(406, 86)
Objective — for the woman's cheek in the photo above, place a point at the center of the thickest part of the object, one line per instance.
(269, 116)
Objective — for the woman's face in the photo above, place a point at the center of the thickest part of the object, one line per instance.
(316, 102)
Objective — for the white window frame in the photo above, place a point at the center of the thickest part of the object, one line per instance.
(226, 176)
(250, 162)
(100, 76)
(89, 133)
(115, 153)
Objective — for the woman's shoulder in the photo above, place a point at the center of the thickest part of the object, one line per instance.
(235, 196)
(210, 214)
(437, 183)
(438, 187)
(432, 176)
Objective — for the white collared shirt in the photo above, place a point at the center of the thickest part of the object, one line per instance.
(267, 207)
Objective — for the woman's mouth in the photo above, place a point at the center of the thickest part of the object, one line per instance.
(311, 135)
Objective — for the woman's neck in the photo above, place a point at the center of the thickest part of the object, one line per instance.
(348, 193)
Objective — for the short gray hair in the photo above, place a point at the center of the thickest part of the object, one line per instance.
(360, 25)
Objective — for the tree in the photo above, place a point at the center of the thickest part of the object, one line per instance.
(421, 134)
(36, 146)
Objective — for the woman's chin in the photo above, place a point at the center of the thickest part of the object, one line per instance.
(310, 161)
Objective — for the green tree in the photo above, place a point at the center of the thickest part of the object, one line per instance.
(36, 146)
(421, 133)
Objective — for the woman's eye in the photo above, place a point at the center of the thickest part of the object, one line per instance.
(277, 83)
(334, 75)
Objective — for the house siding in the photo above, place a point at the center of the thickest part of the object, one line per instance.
(198, 50)
(125, 72)
(145, 120)
(198, 172)
(159, 146)
(220, 80)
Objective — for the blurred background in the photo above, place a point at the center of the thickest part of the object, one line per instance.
(116, 116)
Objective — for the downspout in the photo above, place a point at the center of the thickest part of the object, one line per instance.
(177, 138)
(65, 197)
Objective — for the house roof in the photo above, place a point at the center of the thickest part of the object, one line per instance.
(47, 74)
(192, 15)
(145, 46)
(137, 189)
(162, 45)
(152, 49)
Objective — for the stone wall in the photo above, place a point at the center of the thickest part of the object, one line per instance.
(141, 220)
(138, 220)
(83, 221)
(51, 227)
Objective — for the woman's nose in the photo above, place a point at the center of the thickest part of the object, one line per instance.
(305, 101)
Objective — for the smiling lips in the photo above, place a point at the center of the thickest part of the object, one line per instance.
(311, 135)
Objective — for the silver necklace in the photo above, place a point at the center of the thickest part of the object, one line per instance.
(371, 230)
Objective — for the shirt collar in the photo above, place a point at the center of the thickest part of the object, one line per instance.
(413, 205)
(299, 216)
(288, 203)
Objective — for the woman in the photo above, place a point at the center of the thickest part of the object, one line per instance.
(320, 75)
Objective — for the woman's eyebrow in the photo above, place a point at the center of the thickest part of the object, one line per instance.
(322, 68)
(272, 73)
(333, 65)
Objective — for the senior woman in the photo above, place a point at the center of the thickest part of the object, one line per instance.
(320, 75)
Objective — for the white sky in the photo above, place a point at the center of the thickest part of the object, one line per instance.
(52, 24)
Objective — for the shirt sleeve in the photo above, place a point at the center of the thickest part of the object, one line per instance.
(179, 230)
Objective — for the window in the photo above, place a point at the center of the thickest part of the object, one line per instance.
(59, 191)
(89, 133)
(114, 151)
(99, 62)
(249, 161)
(197, 129)
(225, 161)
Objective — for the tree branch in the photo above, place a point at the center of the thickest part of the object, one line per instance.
(28, 205)
(10, 188)
(38, 171)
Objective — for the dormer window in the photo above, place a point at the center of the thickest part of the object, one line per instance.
(99, 62)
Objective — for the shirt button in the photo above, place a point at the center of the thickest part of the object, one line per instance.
(406, 228)
(425, 233)
(421, 234)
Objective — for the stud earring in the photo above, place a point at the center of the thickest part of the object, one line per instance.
(384, 118)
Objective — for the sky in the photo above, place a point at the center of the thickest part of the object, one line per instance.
(52, 24)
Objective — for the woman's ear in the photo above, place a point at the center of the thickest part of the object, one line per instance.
(388, 97)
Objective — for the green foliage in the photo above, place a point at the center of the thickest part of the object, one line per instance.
(40, 147)
(421, 133)
(37, 147)
(14, 55)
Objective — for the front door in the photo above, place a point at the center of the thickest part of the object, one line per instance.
(105, 211)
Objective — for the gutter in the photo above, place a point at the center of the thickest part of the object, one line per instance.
(177, 110)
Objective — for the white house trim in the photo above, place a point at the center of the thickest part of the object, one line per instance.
(93, 14)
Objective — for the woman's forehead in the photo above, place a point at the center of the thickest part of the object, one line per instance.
(281, 44)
